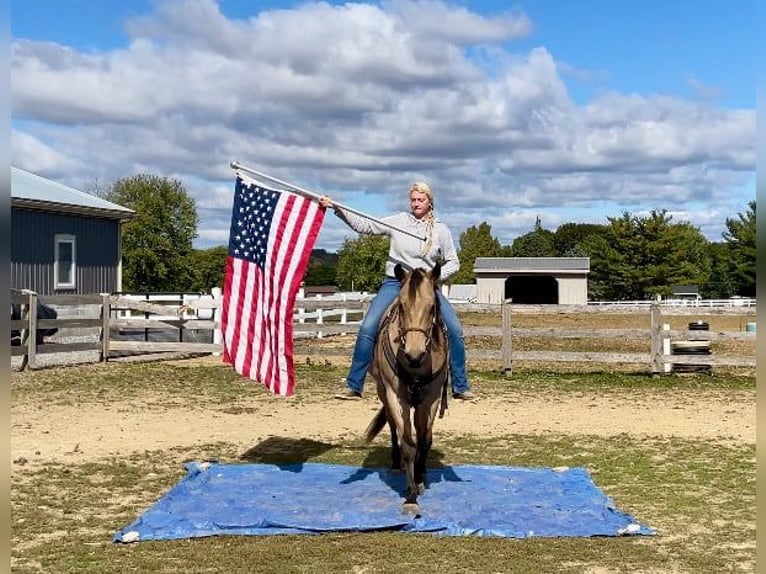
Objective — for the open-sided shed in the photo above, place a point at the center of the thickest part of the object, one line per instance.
(532, 280)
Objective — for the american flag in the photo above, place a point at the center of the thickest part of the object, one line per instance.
(270, 242)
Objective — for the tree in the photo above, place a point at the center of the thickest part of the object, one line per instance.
(206, 269)
(536, 243)
(322, 268)
(740, 235)
(641, 257)
(475, 242)
(569, 238)
(362, 262)
(722, 283)
(156, 244)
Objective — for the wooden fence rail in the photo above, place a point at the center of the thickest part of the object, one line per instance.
(115, 313)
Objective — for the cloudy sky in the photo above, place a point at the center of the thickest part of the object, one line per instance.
(566, 111)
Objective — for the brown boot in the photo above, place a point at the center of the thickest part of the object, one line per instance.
(465, 396)
(348, 395)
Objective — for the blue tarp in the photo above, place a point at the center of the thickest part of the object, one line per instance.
(309, 498)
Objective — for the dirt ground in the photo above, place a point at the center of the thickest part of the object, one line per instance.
(77, 433)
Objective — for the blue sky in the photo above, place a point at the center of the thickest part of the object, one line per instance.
(644, 46)
(571, 111)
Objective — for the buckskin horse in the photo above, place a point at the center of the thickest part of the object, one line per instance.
(410, 365)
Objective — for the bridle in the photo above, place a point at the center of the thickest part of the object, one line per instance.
(428, 334)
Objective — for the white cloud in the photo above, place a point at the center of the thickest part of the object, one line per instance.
(361, 99)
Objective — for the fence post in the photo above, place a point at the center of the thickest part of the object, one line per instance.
(106, 315)
(217, 294)
(668, 366)
(507, 354)
(32, 331)
(320, 315)
(344, 313)
(656, 334)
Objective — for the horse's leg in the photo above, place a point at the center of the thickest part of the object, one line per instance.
(396, 453)
(425, 415)
(424, 440)
(399, 420)
(409, 451)
(399, 412)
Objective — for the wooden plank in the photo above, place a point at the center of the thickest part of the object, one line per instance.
(74, 323)
(314, 304)
(713, 360)
(325, 329)
(106, 313)
(558, 333)
(150, 347)
(137, 323)
(636, 334)
(48, 348)
(62, 300)
(656, 338)
(32, 332)
(667, 311)
(122, 303)
(582, 357)
(507, 344)
(203, 303)
(713, 335)
(201, 325)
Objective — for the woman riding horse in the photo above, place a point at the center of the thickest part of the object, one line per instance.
(411, 253)
(409, 364)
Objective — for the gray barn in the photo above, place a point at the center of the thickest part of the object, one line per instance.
(532, 280)
(63, 241)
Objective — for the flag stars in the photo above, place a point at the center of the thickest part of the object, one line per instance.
(252, 215)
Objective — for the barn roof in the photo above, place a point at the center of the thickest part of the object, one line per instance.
(31, 191)
(532, 264)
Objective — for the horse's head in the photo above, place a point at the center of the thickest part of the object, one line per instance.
(418, 311)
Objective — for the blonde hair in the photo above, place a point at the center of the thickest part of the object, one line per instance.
(424, 188)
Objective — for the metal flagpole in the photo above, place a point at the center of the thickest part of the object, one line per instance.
(238, 166)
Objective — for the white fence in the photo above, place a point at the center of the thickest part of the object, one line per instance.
(695, 303)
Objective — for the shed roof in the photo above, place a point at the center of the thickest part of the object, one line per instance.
(533, 264)
(34, 192)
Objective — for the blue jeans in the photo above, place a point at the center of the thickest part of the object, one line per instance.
(368, 332)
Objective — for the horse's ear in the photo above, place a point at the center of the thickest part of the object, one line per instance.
(436, 272)
(400, 273)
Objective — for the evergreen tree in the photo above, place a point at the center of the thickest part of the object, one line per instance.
(740, 235)
(536, 243)
(641, 257)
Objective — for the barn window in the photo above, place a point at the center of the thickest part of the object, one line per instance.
(65, 264)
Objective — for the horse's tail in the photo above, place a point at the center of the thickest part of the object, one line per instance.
(376, 425)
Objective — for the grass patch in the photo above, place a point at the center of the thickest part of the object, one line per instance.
(699, 495)
(178, 384)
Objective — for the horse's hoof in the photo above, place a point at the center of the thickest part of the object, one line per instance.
(410, 509)
(421, 488)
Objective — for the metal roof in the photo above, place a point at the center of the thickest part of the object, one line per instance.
(533, 264)
(34, 192)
